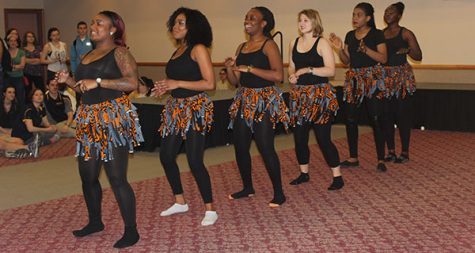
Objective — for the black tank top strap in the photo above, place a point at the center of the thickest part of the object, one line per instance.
(263, 45)
(294, 49)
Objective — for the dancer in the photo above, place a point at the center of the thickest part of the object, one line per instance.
(313, 102)
(364, 49)
(399, 81)
(258, 104)
(188, 113)
(107, 126)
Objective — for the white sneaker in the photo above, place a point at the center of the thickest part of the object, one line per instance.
(210, 218)
(174, 209)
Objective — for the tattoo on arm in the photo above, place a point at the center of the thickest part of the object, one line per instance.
(128, 67)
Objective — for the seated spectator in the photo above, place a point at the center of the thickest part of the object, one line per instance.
(9, 116)
(9, 110)
(59, 110)
(223, 83)
(144, 89)
(17, 150)
(34, 120)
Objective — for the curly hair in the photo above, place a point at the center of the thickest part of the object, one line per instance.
(267, 16)
(199, 29)
(369, 11)
(51, 30)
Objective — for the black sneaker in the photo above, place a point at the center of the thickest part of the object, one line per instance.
(391, 157)
(402, 159)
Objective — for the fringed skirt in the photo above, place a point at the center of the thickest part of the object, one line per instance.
(364, 82)
(312, 103)
(181, 114)
(400, 80)
(101, 127)
(254, 103)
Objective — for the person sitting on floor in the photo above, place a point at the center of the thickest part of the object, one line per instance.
(59, 110)
(9, 114)
(34, 120)
(144, 89)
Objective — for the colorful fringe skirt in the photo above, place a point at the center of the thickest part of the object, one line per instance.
(400, 80)
(254, 103)
(312, 103)
(101, 127)
(364, 82)
(181, 114)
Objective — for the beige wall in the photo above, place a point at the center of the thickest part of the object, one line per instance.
(442, 26)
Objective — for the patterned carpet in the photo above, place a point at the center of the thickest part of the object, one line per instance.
(426, 205)
(64, 147)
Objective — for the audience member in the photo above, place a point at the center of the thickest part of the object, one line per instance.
(144, 89)
(81, 46)
(59, 110)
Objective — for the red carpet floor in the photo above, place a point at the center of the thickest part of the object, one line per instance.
(426, 205)
(64, 147)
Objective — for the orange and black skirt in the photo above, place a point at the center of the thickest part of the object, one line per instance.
(364, 82)
(253, 103)
(181, 114)
(400, 81)
(101, 127)
(312, 103)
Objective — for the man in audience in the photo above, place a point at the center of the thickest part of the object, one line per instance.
(59, 110)
(81, 46)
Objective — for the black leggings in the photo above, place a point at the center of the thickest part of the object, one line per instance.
(375, 108)
(195, 146)
(116, 171)
(398, 111)
(323, 134)
(264, 138)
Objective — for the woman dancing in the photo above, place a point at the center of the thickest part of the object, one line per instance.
(364, 49)
(399, 81)
(188, 114)
(313, 102)
(107, 126)
(258, 104)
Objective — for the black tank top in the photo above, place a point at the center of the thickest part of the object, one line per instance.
(186, 69)
(371, 40)
(393, 45)
(311, 58)
(257, 59)
(106, 68)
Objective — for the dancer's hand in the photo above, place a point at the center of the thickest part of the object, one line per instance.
(86, 85)
(168, 84)
(157, 90)
(230, 62)
(293, 79)
(362, 47)
(335, 41)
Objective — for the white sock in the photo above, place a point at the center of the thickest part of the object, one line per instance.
(175, 208)
(210, 218)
